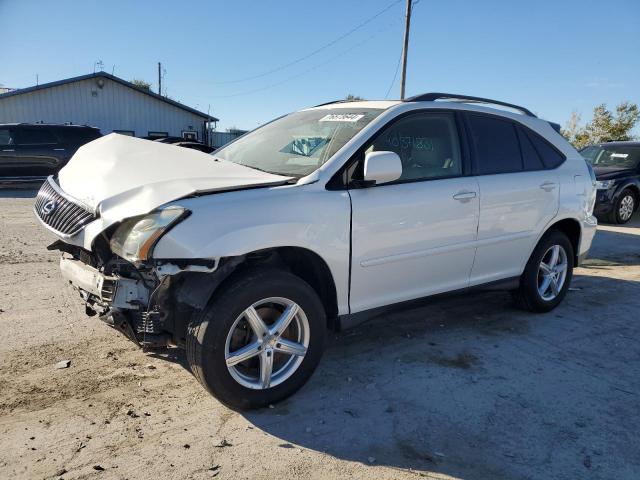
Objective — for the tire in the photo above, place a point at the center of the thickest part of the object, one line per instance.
(528, 296)
(624, 207)
(210, 339)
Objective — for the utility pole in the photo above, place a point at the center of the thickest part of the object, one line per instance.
(159, 78)
(405, 49)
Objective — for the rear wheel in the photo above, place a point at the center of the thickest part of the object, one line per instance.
(259, 340)
(547, 275)
(624, 208)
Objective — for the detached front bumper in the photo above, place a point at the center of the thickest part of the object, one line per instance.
(104, 292)
(120, 302)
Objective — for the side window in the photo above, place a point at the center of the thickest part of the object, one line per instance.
(427, 144)
(550, 156)
(5, 137)
(496, 142)
(35, 136)
(77, 135)
(530, 157)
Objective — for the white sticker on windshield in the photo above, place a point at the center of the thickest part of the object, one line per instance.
(621, 155)
(342, 117)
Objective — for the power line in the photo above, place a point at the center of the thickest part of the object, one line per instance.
(331, 59)
(316, 51)
(395, 75)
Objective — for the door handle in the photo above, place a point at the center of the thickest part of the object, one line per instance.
(464, 196)
(58, 149)
(8, 150)
(548, 186)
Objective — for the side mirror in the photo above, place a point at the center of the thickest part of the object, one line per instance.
(382, 167)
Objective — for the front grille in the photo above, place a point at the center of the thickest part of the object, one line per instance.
(61, 213)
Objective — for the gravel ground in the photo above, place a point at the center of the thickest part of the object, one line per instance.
(465, 387)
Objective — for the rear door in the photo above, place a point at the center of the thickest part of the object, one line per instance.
(519, 196)
(73, 137)
(415, 236)
(37, 151)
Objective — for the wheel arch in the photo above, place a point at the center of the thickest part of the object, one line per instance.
(635, 189)
(302, 262)
(572, 229)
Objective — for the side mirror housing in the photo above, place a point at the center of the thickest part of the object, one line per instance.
(382, 167)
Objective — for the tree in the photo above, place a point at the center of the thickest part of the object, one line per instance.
(604, 126)
(353, 98)
(574, 132)
(141, 84)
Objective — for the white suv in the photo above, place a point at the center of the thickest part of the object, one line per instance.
(319, 219)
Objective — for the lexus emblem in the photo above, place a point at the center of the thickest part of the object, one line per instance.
(49, 207)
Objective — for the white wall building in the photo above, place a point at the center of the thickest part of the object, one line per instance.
(107, 102)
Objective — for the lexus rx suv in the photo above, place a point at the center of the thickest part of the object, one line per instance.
(617, 169)
(30, 152)
(317, 220)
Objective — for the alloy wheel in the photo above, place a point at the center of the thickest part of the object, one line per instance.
(267, 343)
(626, 208)
(552, 272)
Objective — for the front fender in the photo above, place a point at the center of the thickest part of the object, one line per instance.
(237, 223)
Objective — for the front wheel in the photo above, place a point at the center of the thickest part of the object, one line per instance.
(547, 275)
(259, 339)
(624, 208)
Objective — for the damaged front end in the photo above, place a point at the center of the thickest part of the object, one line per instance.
(152, 302)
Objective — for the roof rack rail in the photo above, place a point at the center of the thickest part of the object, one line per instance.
(331, 103)
(430, 97)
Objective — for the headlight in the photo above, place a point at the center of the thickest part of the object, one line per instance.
(604, 184)
(135, 238)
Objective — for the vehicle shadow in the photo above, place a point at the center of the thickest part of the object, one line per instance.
(471, 388)
(616, 245)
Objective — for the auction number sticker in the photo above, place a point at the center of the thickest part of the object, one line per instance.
(342, 117)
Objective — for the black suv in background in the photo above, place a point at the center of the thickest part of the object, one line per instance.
(32, 152)
(617, 169)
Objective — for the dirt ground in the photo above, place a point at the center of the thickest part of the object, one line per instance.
(465, 387)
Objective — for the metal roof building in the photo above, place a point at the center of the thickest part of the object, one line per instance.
(107, 102)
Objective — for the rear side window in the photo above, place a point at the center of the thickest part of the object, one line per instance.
(550, 156)
(34, 136)
(530, 157)
(496, 144)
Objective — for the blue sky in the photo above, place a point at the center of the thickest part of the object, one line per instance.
(551, 56)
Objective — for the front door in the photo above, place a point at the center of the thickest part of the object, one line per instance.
(416, 236)
(8, 156)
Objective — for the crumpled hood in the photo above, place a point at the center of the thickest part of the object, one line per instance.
(122, 176)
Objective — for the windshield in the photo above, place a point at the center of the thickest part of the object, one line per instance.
(299, 143)
(612, 156)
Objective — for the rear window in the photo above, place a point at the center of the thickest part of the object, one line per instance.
(496, 144)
